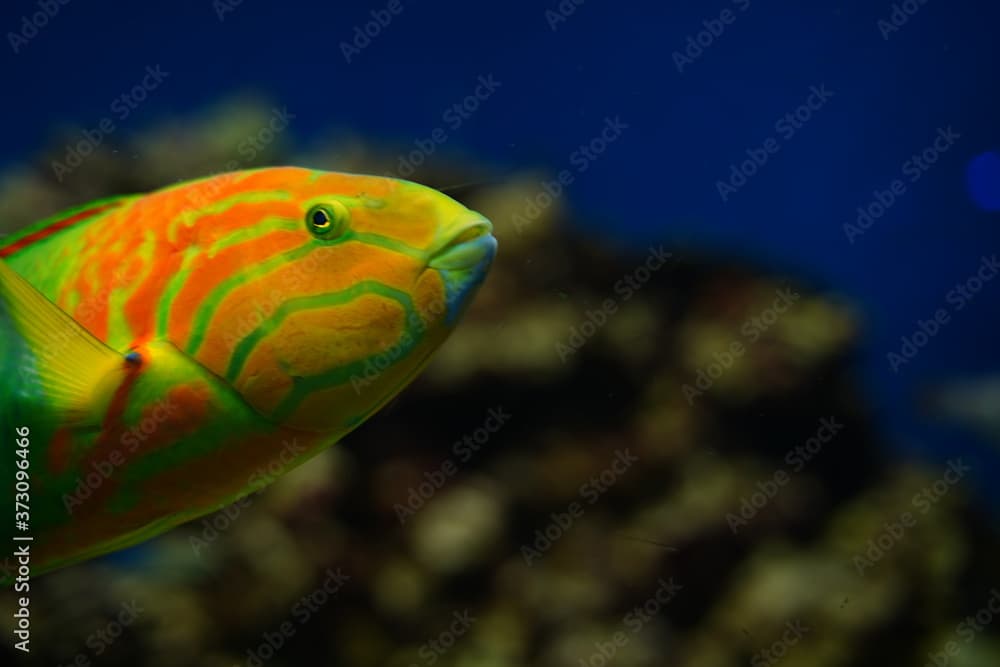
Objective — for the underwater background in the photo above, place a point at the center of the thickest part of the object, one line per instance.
(729, 395)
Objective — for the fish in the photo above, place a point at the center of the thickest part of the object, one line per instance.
(164, 355)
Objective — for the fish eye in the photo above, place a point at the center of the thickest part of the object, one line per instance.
(327, 220)
(321, 219)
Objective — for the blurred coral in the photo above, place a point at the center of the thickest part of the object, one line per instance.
(554, 547)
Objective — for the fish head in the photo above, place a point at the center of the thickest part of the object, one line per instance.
(376, 274)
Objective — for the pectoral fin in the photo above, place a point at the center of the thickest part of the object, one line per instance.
(57, 356)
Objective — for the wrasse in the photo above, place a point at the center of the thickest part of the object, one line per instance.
(158, 351)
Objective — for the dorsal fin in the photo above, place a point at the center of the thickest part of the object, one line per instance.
(72, 367)
(45, 228)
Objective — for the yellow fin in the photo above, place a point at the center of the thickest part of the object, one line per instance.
(61, 357)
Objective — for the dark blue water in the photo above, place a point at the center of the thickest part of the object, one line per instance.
(878, 96)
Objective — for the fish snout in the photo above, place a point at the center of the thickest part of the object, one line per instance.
(467, 242)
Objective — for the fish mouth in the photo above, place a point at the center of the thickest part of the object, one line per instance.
(470, 245)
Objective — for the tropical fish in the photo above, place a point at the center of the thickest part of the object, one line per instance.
(164, 355)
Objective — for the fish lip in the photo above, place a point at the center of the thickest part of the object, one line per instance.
(467, 247)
